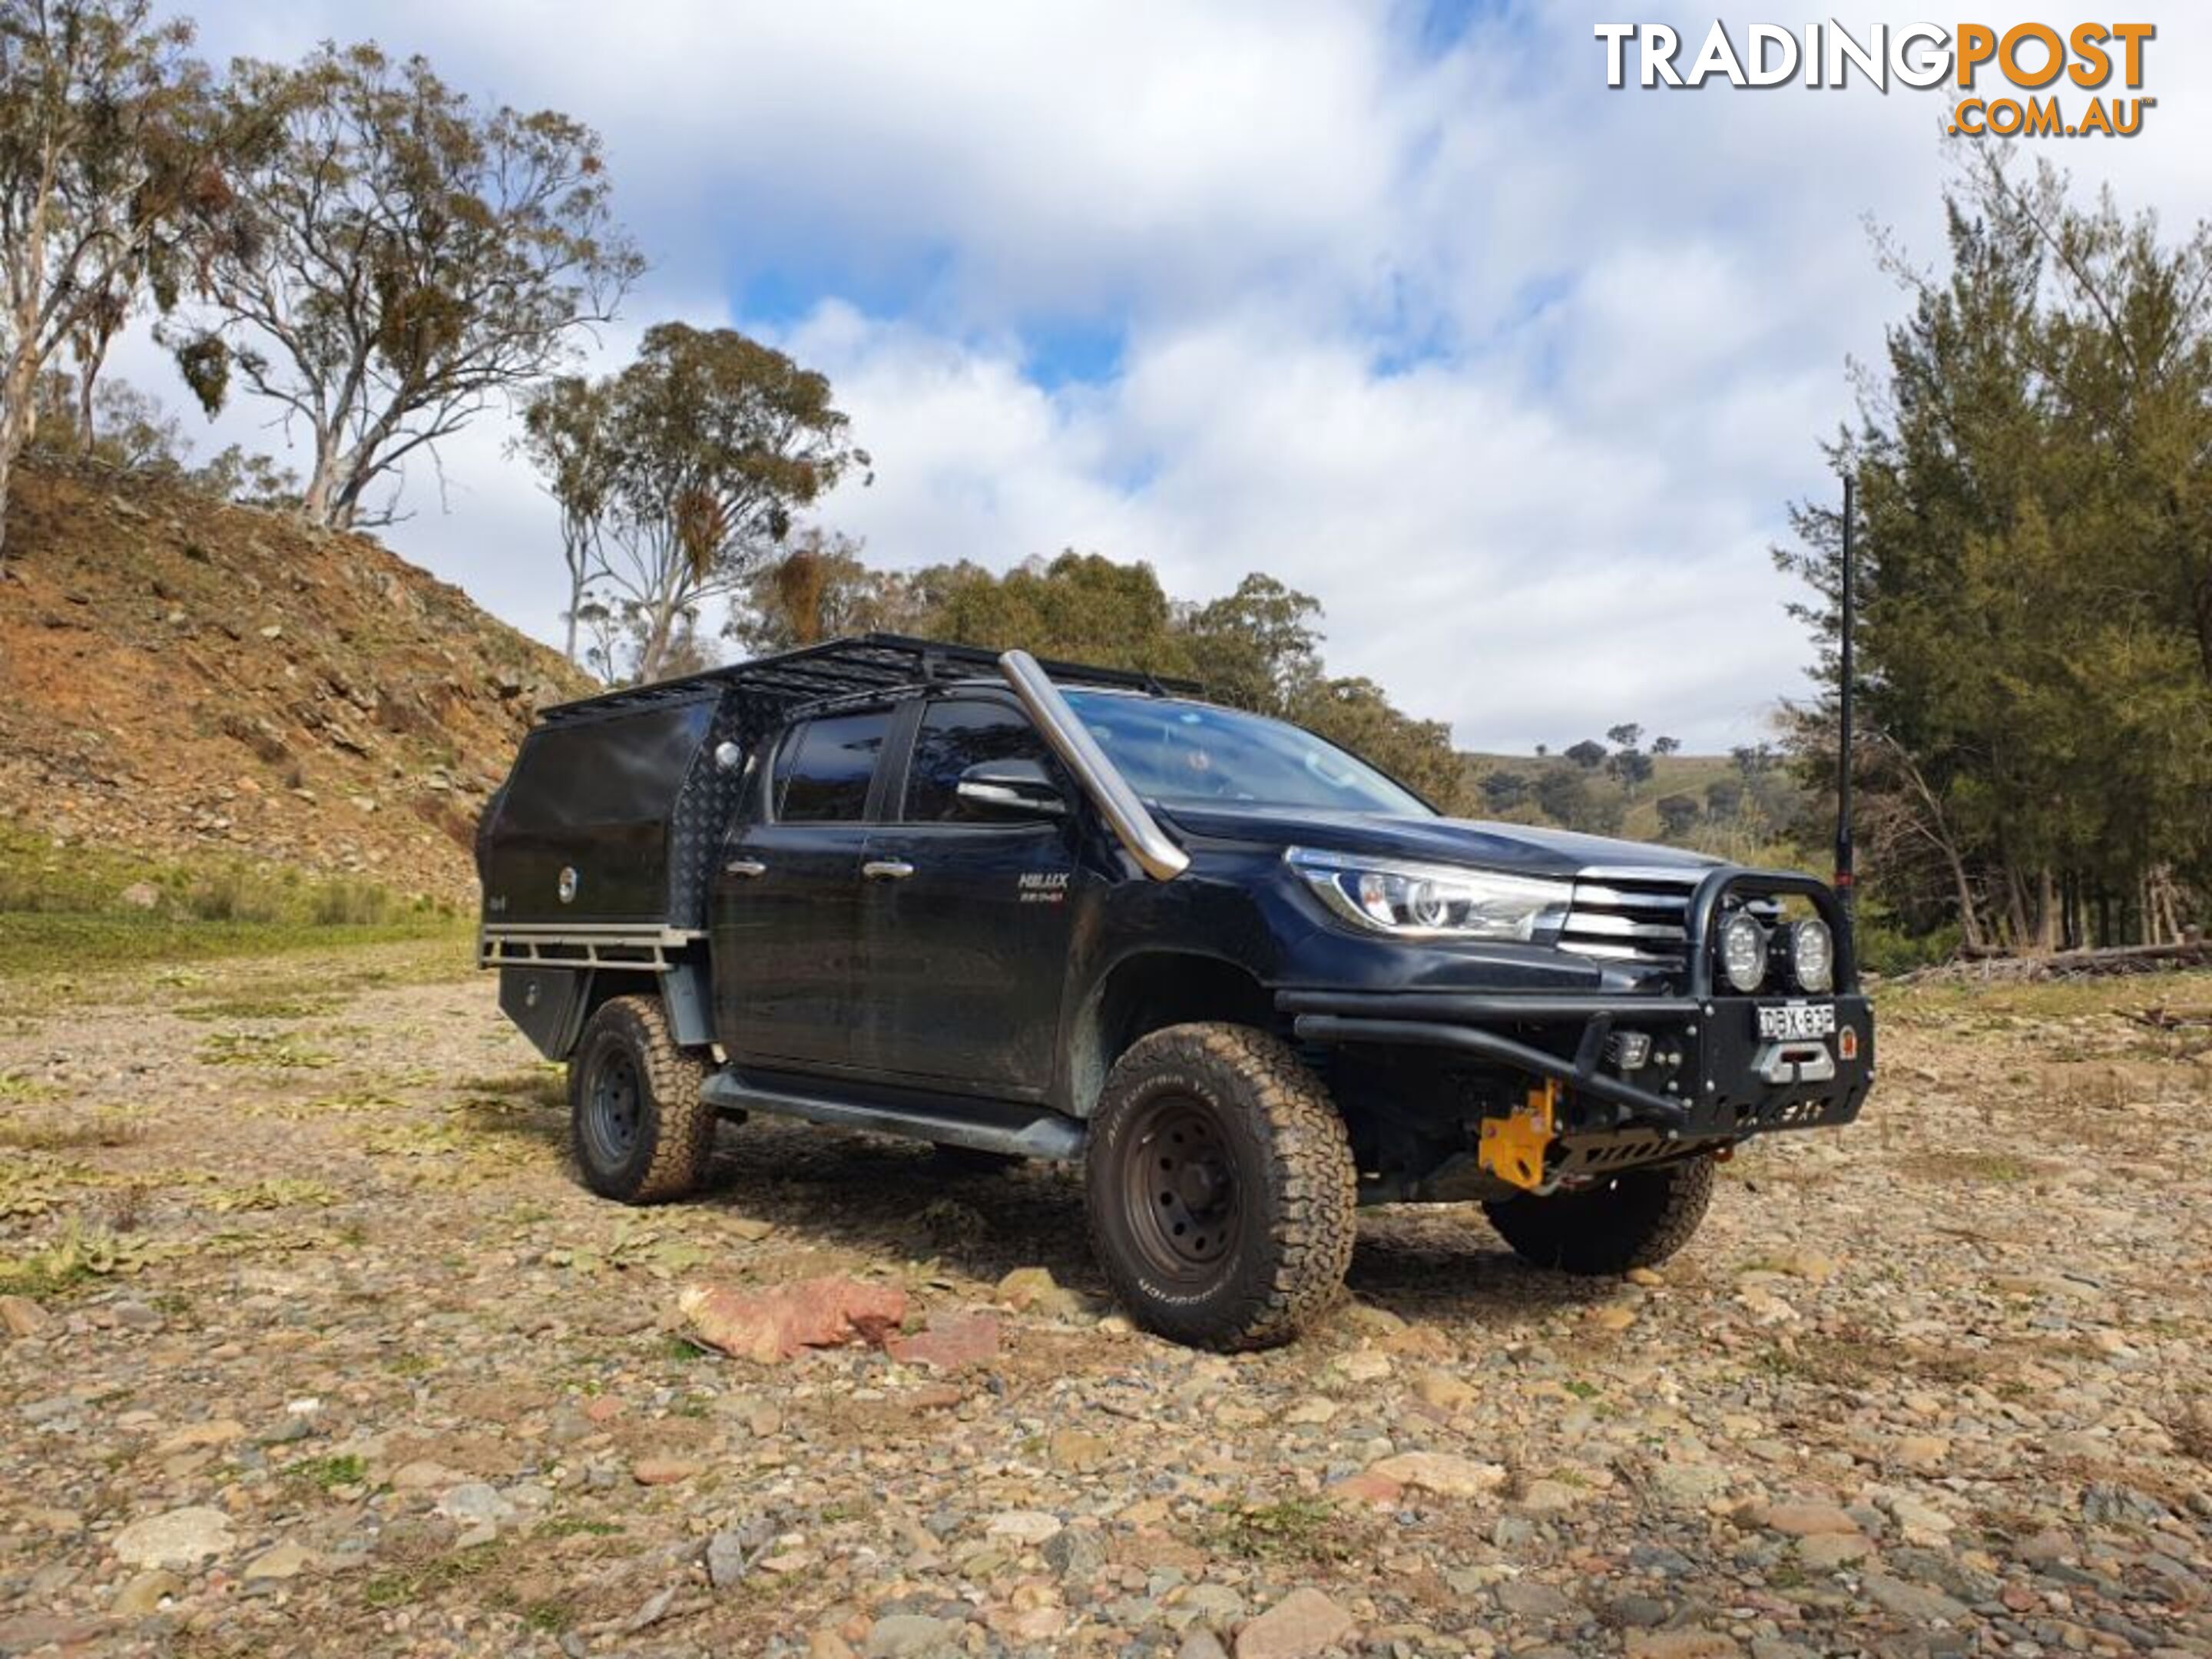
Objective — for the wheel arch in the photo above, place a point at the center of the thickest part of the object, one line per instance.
(1147, 991)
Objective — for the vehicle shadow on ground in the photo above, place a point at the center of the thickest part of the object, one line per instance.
(876, 1196)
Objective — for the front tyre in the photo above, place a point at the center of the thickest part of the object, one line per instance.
(1636, 1218)
(1221, 1187)
(638, 1127)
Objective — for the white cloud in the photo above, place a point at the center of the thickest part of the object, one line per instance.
(1517, 373)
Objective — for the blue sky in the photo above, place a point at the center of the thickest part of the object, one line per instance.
(1400, 303)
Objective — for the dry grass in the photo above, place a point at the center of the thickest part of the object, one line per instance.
(1310, 1529)
(108, 1127)
(1996, 1168)
(279, 1053)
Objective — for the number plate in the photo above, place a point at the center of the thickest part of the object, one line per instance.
(1786, 1021)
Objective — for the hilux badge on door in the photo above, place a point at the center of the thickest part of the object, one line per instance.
(1043, 886)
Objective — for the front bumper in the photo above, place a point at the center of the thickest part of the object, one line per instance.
(1729, 1081)
(1708, 1073)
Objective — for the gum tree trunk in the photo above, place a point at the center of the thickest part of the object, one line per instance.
(19, 419)
(324, 501)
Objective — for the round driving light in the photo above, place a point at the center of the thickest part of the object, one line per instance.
(1812, 956)
(1743, 952)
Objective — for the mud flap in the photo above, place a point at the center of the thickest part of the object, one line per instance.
(547, 1002)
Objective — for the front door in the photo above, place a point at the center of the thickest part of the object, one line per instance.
(787, 916)
(966, 916)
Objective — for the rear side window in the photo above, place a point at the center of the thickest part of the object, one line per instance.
(822, 773)
(953, 736)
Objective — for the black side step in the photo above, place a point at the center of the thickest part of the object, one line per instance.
(983, 1126)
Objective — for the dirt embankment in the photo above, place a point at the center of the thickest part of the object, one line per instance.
(179, 676)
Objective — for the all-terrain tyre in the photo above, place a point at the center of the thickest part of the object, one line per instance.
(1635, 1218)
(638, 1128)
(1220, 1187)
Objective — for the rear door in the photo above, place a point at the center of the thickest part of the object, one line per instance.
(788, 901)
(965, 919)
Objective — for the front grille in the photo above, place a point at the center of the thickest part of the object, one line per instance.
(1631, 915)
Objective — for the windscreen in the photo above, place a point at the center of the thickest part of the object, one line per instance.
(1193, 752)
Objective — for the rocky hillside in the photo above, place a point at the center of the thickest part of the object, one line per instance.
(179, 676)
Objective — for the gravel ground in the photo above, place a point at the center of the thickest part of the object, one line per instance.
(316, 1348)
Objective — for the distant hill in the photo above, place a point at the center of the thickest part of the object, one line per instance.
(1738, 814)
(178, 674)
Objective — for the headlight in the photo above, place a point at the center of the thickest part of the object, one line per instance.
(1812, 956)
(1432, 901)
(1743, 951)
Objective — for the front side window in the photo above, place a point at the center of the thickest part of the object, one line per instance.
(823, 773)
(955, 736)
(1196, 753)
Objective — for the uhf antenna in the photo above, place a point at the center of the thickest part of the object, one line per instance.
(1848, 619)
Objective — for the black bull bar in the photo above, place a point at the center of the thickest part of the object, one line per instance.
(1719, 1090)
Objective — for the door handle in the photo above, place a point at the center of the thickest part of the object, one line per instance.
(746, 867)
(887, 869)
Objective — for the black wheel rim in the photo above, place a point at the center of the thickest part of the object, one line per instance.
(1179, 1190)
(613, 1108)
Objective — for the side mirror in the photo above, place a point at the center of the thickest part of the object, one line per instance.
(1010, 789)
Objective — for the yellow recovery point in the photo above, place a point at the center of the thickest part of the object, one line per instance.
(1512, 1148)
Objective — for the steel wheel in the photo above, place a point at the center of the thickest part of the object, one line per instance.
(614, 1107)
(1179, 1189)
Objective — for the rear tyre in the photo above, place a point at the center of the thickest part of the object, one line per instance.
(1636, 1218)
(1221, 1187)
(639, 1129)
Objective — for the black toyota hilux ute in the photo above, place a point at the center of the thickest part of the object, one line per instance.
(1245, 981)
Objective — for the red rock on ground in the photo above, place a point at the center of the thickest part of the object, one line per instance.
(769, 1325)
(1369, 1487)
(950, 1344)
(1304, 1622)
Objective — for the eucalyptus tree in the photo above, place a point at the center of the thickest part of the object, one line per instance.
(394, 257)
(678, 479)
(568, 435)
(105, 151)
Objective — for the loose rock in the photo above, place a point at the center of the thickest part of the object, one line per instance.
(1445, 1474)
(909, 1636)
(950, 1344)
(180, 1539)
(768, 1326)
(1302, 1623)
